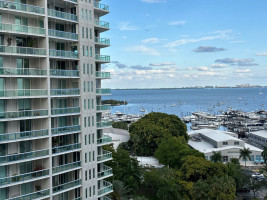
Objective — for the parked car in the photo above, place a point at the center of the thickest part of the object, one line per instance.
(258, 176)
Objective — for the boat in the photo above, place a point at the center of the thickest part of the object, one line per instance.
(260, 93)
(173, 105)
(142, 110)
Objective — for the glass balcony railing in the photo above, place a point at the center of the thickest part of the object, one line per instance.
(61, 111)
(102, 74)
(22, 93)
(23, 135)
(66, 129)
(104, 156)
(103, 91)
(107, 187)
(24, 177)
(70, 147)
(67, 185)
(62, 15)
(106, 171)
(104, 140)
(75, 1)
(102, 58)
(104, 124)
(103, 107)
(58, 72)
(63, 54)
(106, 198)
(66, 167)
(58, 92)
(22, 50)
(102, 41)
(21, 7)
(101, 6)
(22, 29)
(23, 113)
(35, 195)
(23, 156)
(62, 34)
(22, 71)
(101, 24)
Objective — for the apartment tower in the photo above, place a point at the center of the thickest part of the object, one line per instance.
(51, 127)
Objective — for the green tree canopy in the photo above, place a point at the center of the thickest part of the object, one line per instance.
(245, 154)
(172, 150)
(216, 157)
(147, 133)
(264, 154)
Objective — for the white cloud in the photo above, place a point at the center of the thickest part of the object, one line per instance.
(242, 71)
(126, 26)
(176, 23)
(218, 66)
(261, 54)
(162, 64)
(202, 68)
(144, 49)
(151, 40)
(153, 1)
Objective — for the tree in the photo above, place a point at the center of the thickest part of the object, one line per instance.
(170, 191)
(120, 125)
(216, 157)
(256, 185)
(245, 154)
(147, 133)
(120, 191)
(264, 154)
(172, 150)
(200, 190)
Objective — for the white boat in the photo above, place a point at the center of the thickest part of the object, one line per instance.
(142, 110)
(173, 105)
(260, 93)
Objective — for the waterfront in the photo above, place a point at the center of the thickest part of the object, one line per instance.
(183, 102)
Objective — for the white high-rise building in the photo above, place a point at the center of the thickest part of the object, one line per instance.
(51, 127)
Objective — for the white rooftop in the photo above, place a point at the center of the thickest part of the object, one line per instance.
(215, 135)
(262, 133)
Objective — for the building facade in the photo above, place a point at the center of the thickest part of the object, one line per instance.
(51, 127)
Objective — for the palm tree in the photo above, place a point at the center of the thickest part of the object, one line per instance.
(170, 191)
(264, 154)
(245, 154)
(120, 191)
(216, 157)
(200, 190)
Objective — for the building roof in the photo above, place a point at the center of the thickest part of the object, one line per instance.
(215, 135)
(262, 133)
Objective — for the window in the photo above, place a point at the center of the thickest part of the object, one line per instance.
(89, 124)
(92, 103)
(87, 33)
(90, 33)
(92, 69)
(85, 122)
(90, 174)
(93, 138)
(86, 15)
(94, 173)
(82, 13)
(225, 158)
(89, 156)
(93, 121)
(84, 104)
(86, 193)
(85, 140)
(88, 104)
(90, 15)
(90, 191)
(93, 157)
(87, 68)
(252, 157)
(85, 157)
(225, 143)
(82, 32)
(236, 143)
(84, 86)
(88, 86)
(91, 51)
(92, 86)
(89, 137)
(258, 157)
(83, 50)
(94, 190)
(84, 68)
(87, 51)
(85, 175)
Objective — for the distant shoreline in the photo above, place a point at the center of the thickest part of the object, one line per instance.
(190, 88)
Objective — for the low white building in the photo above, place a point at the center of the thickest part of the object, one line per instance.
(259, 138)
(208, 141)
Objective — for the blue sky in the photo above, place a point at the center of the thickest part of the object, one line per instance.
(179, 43)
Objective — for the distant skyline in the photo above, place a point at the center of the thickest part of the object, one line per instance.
(178, 43)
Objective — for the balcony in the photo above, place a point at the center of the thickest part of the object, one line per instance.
(22, 93)
(102, 7)
(21, 7)
(106, 172)
(104, 124)
(36, 195)
(64, 111)
(66, 148)
(103, 108)
(104, 140)
(66, 186)
(23, 156)
(66, 167)
(62, 15)
(101, 25)
(64, 73)
(24, 177)
(102, 75)
(65, 92)
(23, 135)
(103, 91)
(23, 113)
(62, 34)
(106, 188)
(22, 50)
(22, 71)
(102, 42)
(106, 156)
(63, 54)
(102, 58)
(66, 129)
(22, 29)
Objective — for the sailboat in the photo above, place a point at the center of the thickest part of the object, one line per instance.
(260, 92)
